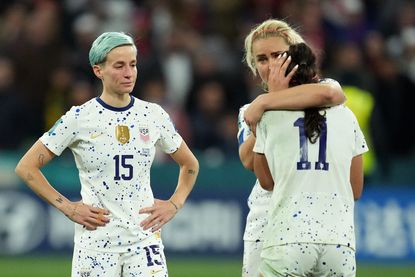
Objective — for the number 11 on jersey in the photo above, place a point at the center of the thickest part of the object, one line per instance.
(304, 164)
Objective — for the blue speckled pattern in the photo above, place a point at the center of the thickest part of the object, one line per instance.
(114, 174)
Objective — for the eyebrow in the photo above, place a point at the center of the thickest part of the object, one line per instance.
(272, 53)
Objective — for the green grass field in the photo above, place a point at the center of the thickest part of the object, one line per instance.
(57, 266)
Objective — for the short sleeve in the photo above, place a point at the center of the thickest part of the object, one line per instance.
(328, 81)
(169, 140)
(63, 132)
(259, 146)
(243, 129)
(360, 141)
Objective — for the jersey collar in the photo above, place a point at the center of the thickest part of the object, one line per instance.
(116, 109)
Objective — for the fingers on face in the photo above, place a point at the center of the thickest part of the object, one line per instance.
(285, 62)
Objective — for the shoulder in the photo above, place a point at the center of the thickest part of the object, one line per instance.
(84, 108)
(341, 110)
(150, 109)
(243, 108)
(329, 81)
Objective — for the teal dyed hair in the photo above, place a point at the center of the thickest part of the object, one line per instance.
(105, 43)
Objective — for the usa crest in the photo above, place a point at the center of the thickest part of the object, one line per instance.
(122, 133)
(144, 133)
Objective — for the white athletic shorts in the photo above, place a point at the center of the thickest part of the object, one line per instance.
(146, 260)
(308, 259)
(252, 258)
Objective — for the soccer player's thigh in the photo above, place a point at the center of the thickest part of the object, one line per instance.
(147, 259)
(88, 263)
(251, 258)
(337, 260)
(293, 259)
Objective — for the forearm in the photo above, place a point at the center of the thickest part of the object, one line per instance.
(262, 172)
(28, 169)
(187, 178)
(302, 97)
(37, 182)
(246, 155)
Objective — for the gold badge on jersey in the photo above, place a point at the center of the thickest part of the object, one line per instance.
(122, 133)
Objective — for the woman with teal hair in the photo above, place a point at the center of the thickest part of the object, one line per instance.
(113, 138)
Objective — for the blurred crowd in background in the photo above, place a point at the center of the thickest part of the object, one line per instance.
(190, 61)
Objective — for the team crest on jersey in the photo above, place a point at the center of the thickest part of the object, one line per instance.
(144, 133)
(122, 133)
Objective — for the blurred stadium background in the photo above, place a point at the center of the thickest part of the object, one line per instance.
(190, 54)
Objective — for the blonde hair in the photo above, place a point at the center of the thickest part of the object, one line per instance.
(269, 28)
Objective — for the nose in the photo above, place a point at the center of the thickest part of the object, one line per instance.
(128, 72)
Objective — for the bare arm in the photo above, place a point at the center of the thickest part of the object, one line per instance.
(163, 211)
(28, 169)
(262, 172)
(356, 176)
(246, 155)
(295, 98)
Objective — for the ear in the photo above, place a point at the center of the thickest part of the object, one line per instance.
(97, 71)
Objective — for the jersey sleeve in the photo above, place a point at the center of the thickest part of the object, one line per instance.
(259, 146)
(63, 132)
(328, 81)
(360, 141)
(243, 129)
(170, 139)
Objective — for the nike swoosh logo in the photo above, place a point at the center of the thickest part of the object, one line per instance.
(94, 136)
(155, 271)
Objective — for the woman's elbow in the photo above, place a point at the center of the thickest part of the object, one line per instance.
(357, 195)
(357, 188)
(20, 169)
(193, 165)
(333, 95)
(248, 164)
(267, 185)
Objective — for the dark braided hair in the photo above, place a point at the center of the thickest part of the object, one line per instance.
(306, 73)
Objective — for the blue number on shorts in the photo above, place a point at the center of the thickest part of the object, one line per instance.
(152, 250)
(304, 164)
(124, 164)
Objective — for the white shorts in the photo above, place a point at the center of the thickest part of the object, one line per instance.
(308, 259)
(147, 260)
(252, 258)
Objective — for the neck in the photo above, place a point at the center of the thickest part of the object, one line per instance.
(116, 100)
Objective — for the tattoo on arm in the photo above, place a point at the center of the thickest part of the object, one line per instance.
(59, 199)
(29, 177)
(191, 172)
(41, 159)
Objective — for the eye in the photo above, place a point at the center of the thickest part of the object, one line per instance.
(261, 59)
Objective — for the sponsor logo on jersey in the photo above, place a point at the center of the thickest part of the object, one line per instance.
(122, 133)
(95, 135)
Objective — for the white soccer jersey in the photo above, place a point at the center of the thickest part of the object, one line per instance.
(312, 200)
(258, 200)
(114, 149)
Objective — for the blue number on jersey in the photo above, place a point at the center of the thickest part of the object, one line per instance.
(151, 251)
(124, 164)
(304, 164)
